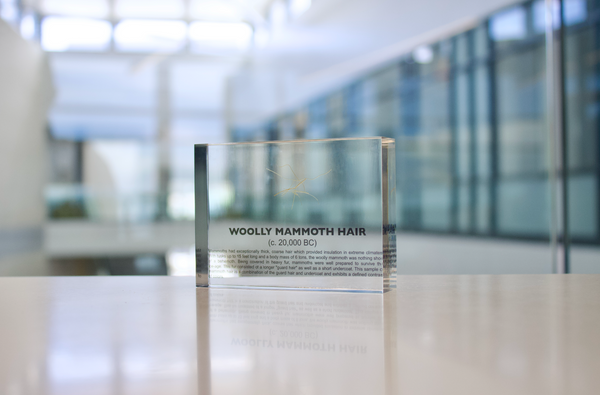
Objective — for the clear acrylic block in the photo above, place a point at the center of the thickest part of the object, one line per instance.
(305, 214)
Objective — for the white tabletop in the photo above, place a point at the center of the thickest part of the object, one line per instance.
(521, 334)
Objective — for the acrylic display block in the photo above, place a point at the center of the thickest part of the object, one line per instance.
(305, 214)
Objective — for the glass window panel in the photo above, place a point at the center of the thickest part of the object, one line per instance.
(410, 180)
(423, 166)
(415, 104)
(481, 41)
(87, 8)
(107, 82)
(387, 82)
(75, 34)
(370, 104)
(81, 126)
(575, 11)
(300, 123)
(259, 133)
(508, 25)
(434, 119)
(386, 107)
(482, 121)
(584, 259)
(335, 114)
(583, 82)
(483, 207)
(461, 45)
(441, 62)
(463, 206)
(539, 15)
(482, 149)
(150, 9)
(246, 133)
(387, 119)
(523, 207)
(521, 89)
(583, 206)
(436, 206)
(316, 127)
(463, 127)
(144, 35)
(412, 142)
(583, 110)
(285, 128)
(353, 111)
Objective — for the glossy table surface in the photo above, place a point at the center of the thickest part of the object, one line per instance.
(513, 334)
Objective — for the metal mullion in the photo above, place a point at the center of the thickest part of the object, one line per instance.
(553, 118)
(410, 127)
(164, 120)
(472, 121)
(597, 164)
(493, 119)
(564, 141)
(453, 123)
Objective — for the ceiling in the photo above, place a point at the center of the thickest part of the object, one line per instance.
(217, 10)
(328, 43)
(337, 40)
(329, 32)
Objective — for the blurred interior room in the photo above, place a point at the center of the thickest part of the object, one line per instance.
(494, 106)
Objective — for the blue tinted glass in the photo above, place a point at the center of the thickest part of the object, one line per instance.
(508, 25)
(436, 205)
(583, 210)
(523, 207)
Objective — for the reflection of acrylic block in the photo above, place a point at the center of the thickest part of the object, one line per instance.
(306, 214)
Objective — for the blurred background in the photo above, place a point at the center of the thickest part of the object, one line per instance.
(494, 106)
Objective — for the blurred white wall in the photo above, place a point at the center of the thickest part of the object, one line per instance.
(25, 96)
